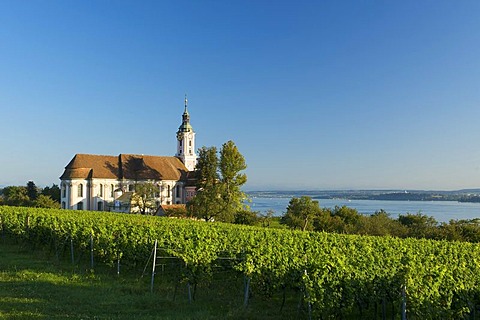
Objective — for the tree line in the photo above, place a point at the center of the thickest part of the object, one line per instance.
(305, 214)
(31, 196)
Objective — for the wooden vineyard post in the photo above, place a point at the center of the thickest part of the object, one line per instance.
(118, 264)
(1, 226)
(309, 305)
(153, 265)
(71, 251)
(404, 302)
(91, 251)
(247, 291)
(189, 287)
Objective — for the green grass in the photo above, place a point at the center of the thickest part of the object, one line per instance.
(35, 285)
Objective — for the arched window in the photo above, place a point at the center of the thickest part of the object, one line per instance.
(64, 190)
(80, 205)
(101, 190)
(112, 190)
(100, 206)
(63, 205)
(168, 191)
(80, 190)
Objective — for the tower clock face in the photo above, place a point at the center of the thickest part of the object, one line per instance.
(180, 135)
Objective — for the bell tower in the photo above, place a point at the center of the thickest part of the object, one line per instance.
(186, 141)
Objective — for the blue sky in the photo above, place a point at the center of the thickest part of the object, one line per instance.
(316, 94)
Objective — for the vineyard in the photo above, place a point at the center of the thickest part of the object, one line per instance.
(335, 276)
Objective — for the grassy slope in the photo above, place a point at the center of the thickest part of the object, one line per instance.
(33, 285)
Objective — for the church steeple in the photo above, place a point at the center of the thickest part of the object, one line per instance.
(186, 141)
(186, 115)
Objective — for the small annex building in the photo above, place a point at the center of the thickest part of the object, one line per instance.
(107, 183)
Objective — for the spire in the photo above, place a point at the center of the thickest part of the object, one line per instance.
(185, 126)
(186, 115)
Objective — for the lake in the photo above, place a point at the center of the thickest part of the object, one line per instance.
(442, 211)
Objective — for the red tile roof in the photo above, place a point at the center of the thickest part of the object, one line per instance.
(124, 166)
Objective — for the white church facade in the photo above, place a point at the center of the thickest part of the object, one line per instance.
(106, 183)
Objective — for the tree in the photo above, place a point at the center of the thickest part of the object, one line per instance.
(53, 192)
(231, 163)
(144, 197)
(219, 181)
(246, 217)
(44, 201)
(266, 218)
(32, 190)
(380, 224)
(419, 225)
(15, 196)
(207, 202)
(301, 213)
(326, 221)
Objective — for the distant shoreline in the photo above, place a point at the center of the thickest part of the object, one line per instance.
(466, 195)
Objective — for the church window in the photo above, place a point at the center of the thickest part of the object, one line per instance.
(100, 206)
(168, 191)
(101, 190)
(63, 205)
(190, 143)
(80, 190)
(181, 142)
(112, 190)
(64, 190)
(80, 205)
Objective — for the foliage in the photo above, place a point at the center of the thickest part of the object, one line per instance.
(207, 203)
(53, 192)
(461, 230)
(380, 224)
(339, 275)
(43, 201)
(231, 164)
(349, 221)
(32, 191)
(266, 218)
(143, 199)
(27, 196)
(16, 196)
(419, 225)
(246, 217)
(301, 213)
(178, 211)
(218, 184)
(32, 287)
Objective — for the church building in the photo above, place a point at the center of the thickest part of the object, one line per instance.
(106, 183)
